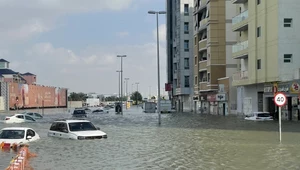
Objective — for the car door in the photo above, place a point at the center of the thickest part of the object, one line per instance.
(29, 119)
(63, 130)
(19, 119)
(53, 130)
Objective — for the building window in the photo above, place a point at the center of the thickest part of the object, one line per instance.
(258, 2)
(195, 41)
(186, 63)
(186, 81)
(258, 64)
(258, 32)
(287, 22)
(196, 80)
(287, 58)
(208, 77)
(195, 60)
(186, 27)
(186, 45)
(186, 9)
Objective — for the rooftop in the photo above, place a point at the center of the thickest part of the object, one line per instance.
(2, 60)
(28, 74)
(7, 71)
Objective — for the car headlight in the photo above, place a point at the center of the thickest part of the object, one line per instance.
(80, 137)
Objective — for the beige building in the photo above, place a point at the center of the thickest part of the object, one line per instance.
(268, 43)
(213, 62)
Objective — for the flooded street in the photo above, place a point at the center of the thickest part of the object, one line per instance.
(183, 141)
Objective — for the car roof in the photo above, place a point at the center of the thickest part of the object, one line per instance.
(72, 121)
(16, 128)
(17, 114)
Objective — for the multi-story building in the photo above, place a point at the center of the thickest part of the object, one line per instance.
(180, 52)
(213, 63)
(267, 49)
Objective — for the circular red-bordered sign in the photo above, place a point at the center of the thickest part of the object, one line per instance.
(280, 99)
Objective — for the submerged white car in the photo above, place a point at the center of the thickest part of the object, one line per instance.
(18, 118)
(259, 116)
(18, 135)
(75, 129)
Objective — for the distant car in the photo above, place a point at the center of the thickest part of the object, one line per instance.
(75, 129)
(79, 113)
(100, 110)
(18, 135)
(33, 115)
(259, 116)
(18, 118)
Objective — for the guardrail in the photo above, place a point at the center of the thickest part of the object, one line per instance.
(20, 161)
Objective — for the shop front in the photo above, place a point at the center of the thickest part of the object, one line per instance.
(213, 104)
(291, 89)
(221, 98)
(204, 104)
(269, 90)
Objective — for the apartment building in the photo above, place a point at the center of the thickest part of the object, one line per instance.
(180, 52)
(213, 63)
(267, 49)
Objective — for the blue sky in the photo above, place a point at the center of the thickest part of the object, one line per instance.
(74, 43)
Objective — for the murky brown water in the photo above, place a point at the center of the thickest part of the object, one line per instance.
(183, 141)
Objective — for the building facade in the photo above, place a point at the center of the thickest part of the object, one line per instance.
(268, 43)
(180, 52)
(213, 63)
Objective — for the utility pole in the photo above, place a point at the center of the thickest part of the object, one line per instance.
(136, 93)
(126, 80)
(121, 56)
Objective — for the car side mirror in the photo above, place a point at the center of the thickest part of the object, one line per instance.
(29, 137)
(65, 130)
(98, 128)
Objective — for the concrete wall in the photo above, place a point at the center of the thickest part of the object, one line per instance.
(73, 104)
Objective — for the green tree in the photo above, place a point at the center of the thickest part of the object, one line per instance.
(136, 96)
(77, 96)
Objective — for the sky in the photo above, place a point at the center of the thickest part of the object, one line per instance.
(75, 43)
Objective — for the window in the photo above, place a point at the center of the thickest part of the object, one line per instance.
(186, 28)
(20, 116)
(186, 45)
(258, 31)
(196, 80)
(258, 64)
(54, 127)
(287, 22)
(208, 77)
(30, 133)
(287, 58)
(175, 66)
(258, 2)
(186, 9)
(195, 60)
(186, 63)
(186, 81)
(195, 41)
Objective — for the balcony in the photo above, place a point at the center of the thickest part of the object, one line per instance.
(240, 22)
(202, 65)
(239, 1)
(203, 86)
(240, 50)
(240, 78)
(202, 25)
(202, 44)
(202, 4)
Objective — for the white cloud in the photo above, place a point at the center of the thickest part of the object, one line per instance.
(162, 33)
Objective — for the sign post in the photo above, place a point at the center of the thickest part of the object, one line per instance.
(280, 100)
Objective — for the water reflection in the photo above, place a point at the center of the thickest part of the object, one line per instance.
(183, 141)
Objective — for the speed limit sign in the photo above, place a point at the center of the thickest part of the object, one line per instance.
(280, 99)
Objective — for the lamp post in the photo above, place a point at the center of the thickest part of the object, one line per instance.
(121, 56)
(119, 84)
(158, 65)
(126, 90)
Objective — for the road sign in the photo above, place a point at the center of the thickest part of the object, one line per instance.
(280, 99)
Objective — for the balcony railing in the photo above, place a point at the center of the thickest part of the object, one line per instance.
(202, 44)
(239, 46)
(242, 75)
(239, 18)
(203, 22)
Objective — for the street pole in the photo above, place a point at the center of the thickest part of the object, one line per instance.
(158, 65)
(126, 90)
(121, 56)
(119, 86)
(136, 93)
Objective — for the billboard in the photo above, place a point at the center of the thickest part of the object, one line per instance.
(32, 96)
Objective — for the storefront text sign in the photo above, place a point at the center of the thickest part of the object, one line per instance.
(221, 97)
(211, 98)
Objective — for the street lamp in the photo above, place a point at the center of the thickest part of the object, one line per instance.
(126, 90)
(158, 71)
(136, 93)
(121, 56)
(119, 84)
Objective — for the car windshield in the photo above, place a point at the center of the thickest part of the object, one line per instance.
(78, 112)
(12, 134)
(263, 115)
(81, 126)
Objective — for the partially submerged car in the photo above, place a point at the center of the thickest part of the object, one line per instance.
(18, 118)
(259, 116)
(75, 129)
(79, 113)
(33, 115)
(18, 135)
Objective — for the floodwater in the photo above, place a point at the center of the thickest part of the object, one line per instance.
(182, 142)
